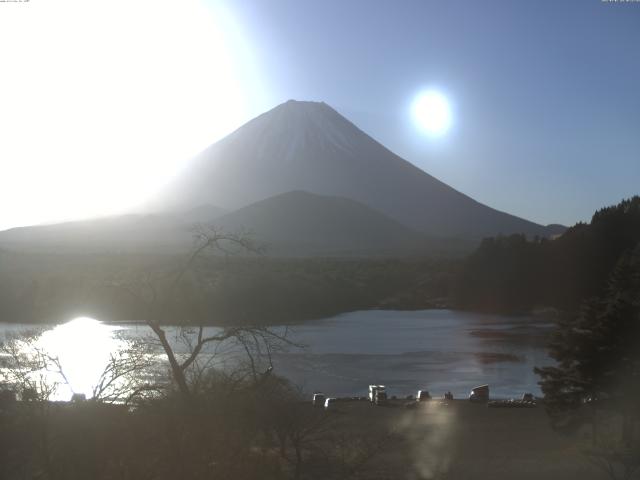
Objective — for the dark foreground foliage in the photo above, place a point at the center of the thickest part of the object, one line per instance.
(598, 352)
(596, 380)
(228, 430)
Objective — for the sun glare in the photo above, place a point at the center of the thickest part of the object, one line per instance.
(432, 113)
(100, 102)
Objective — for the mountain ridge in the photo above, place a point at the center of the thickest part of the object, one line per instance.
(309, 146)
(303, 223)
(292, 224)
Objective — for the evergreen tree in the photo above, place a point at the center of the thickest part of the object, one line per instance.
(598, 353)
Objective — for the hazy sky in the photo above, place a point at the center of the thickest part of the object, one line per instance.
(546, 94)
(103, 101)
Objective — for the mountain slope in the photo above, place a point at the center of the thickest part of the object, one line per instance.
(113, 234)
(301, 223)
(290, 224)
(160, 232)
(309, 146)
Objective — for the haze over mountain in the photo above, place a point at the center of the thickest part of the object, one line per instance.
(124, 233)
(309, 146)
(290, 224)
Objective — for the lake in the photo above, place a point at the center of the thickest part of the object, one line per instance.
(437, 350)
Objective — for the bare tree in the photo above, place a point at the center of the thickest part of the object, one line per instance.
(28, 368)
(129, 373)
(160, 291)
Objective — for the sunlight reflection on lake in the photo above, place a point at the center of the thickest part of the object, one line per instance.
(83, 347)
(84, 356)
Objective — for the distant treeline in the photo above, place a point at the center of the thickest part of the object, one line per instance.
(514, 274)
(258, 290)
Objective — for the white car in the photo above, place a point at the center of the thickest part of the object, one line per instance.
(319, 399)
(373, 389)
(330, 401)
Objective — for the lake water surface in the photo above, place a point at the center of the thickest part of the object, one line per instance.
(437, 350)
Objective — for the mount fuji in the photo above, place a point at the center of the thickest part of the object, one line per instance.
(309, 146)
(304, 180)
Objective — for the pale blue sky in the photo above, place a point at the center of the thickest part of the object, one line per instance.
(546, 94)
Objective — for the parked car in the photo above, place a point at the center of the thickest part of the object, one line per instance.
(329, 402)
(528, 397)
(423, 395)
(372, 391)
(318, 399)
(78, 397)
(381, 397)
(479, 394)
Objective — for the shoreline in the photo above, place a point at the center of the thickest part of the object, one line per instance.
(535, 315)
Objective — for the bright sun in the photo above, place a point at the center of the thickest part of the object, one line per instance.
(432, 113)
(102, 101)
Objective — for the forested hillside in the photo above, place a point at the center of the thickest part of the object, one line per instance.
(514, 274)
(258, 290)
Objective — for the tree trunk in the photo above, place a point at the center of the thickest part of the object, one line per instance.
(176, 369)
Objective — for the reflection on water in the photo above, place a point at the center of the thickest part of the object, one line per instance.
(89, 357)
(83, 348)
(438, 350)
(62, 360)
